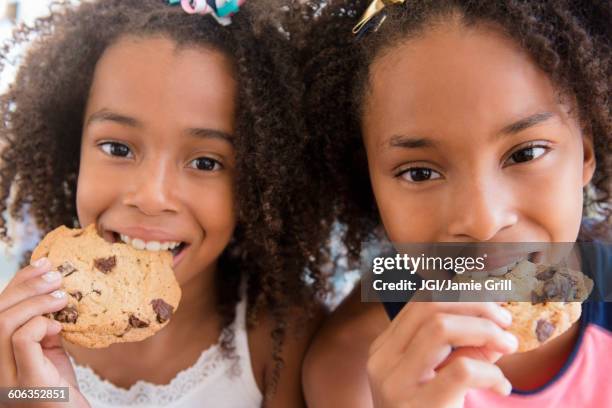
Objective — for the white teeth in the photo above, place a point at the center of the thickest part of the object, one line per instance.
(149, 245)
(153, 246)
(138, 243)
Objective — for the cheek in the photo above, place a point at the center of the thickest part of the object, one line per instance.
(95, 191)
(406, 216)
(210, 205)
(215, 209)
(555, 201)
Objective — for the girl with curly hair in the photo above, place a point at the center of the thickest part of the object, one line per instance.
(461, 121)
(158, 126)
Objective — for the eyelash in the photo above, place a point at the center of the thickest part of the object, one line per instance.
(216, 166)
(536, 145)
(545, 149)
(410, 170)
(107, 148)
(110, 146)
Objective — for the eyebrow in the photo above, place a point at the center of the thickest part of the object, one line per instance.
(210, 134)
(105, 115)
(409, 142)
(526, 123)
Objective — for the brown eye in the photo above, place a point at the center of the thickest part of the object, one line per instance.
(527, 154)
(205, 164)
(419, 174)
(115, 149)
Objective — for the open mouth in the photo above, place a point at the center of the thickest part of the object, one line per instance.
(175, 247)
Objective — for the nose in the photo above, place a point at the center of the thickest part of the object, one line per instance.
(152, 189)
(480, 210)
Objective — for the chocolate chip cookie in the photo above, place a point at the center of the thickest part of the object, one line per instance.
(545, 300)
(556, 293)
(116, 293)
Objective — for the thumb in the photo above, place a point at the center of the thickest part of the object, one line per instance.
(54, 351)
(32, 366)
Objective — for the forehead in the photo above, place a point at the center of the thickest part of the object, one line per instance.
(153, 76)
(452, 77)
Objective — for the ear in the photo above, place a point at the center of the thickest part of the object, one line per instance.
(589, 163)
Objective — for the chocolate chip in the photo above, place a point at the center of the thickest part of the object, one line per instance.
(68, 314)
(550, 289)
(97, 292)
(66, 269)
(572, 279)
(137, 323)
(547, 273)
(105, 265)
(77, 295)
(544, 329)
(572, 293)
(559, 288)
(162, 309)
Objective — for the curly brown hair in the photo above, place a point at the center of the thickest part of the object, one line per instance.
(278, 243)
(569, 40)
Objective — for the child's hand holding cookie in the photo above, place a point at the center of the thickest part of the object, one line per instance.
(30, 347)
(433, 353)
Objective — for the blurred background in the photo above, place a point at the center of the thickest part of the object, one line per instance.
(17, 11)
(13, 12)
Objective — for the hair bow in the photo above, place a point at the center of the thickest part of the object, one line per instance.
(221, 10)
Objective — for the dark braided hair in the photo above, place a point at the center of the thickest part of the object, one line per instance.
(569, 40)
(278, 240)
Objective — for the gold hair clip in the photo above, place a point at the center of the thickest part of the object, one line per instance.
(373, 9)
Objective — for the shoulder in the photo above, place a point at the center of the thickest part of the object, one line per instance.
(299, 332)
(334, 370)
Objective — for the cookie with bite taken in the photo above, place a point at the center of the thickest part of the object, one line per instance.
(557, 293)
(117, 293)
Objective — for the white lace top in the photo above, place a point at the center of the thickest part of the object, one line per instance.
(213, 381)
